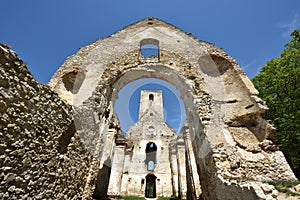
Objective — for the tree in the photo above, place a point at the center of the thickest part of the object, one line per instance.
(279, 85)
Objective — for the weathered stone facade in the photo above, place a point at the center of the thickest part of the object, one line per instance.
(61, 146)
(136, 160)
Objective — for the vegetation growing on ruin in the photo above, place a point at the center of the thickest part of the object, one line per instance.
(286, 187)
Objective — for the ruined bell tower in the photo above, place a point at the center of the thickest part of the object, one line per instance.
(151, 103)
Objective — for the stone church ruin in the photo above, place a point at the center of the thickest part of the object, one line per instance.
(63, 140)
(153, 162)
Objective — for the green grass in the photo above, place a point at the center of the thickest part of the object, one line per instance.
(132, 198)
(285, 186)
(168, 198)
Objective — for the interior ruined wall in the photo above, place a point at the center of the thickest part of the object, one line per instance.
(193, 181)
(181, 163)
(36, 159)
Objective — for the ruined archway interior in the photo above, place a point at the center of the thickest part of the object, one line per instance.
(153, 146)
(225, 147)
(126, 106)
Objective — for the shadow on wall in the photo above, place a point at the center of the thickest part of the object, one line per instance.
(102, 181)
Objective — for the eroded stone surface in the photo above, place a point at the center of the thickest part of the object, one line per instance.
(38, 158)
(232, 143)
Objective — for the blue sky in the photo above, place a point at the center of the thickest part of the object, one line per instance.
(44, 33)
(129, 97)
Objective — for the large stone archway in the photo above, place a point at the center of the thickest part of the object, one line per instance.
(186, 86)
(231, 140)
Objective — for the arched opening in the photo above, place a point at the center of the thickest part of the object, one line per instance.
(151, 97)
(150, 191)
(199, 140)
(201, 146)
(151, 150)
(149, 49)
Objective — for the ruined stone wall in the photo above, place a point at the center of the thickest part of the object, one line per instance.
(181, 160)
(223, 110)
(193, 181)
(38, 157)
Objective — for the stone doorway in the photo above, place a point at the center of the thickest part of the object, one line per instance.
(150, 191)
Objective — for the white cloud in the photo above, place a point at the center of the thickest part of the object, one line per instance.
(290, 25)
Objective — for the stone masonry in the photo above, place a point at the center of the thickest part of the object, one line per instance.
(41, 158)
(62, 140)
(132, 163)
(149, 130)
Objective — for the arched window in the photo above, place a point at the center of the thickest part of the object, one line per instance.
(151, 149)
(151, 97)
(149, 49)
(150, 191)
